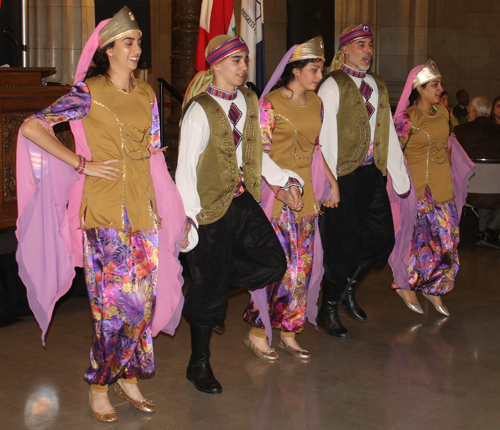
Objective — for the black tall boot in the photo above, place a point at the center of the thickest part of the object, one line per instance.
(199, 371)
(348, 300)
(328, 316)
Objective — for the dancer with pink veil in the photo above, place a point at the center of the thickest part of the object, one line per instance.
(291, 115)
(111, 208)
(425, 256)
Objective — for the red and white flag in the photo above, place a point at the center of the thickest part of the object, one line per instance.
(217, 17)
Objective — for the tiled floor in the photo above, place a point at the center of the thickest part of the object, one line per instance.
(400, 370)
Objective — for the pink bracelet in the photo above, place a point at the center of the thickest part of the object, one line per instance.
(277, 193)
(81, 164)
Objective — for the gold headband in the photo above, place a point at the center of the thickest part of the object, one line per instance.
(121, 24)
(428, 73)
(313, 48)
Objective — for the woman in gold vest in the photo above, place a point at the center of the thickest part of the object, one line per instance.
(290, 122)
(120, 198)
(422, 124)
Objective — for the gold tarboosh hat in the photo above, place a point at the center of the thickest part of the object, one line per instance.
(121, 24)
(429, 72)
(313, 48)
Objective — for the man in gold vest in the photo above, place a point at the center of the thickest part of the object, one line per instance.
(219, 174)
(360, 145)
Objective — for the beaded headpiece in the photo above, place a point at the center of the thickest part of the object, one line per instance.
(313, 48)
(223, 46)
(426, 74)
(218, 48)
(122, 23)
(351, 34)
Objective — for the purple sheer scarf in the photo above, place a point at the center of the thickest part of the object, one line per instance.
(278, 72)
(50, 243)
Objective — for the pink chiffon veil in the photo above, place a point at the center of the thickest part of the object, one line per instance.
(404, 211)
(321, 189)
(50, 242)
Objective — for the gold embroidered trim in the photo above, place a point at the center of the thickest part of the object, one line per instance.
(125, 150)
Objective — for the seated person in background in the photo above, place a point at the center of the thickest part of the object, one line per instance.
(480, 138)
(495, 110)
(460, 110)
(445, 101)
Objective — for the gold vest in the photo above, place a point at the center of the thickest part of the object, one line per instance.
(353, 125)
(217, 169)
(103, 200)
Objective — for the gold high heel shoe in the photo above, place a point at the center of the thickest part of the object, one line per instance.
(105, 417)
(270, 354)
(415, 308)
(297, 353)
(441, 309)
(143, 405)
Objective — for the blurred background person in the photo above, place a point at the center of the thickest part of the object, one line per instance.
(480, 138)
(460, 110)
(495, 110)
(445, 101)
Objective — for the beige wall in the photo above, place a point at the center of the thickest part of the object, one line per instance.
(460, 35)
(463, 40)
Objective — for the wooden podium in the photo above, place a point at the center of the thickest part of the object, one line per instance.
(21, 94)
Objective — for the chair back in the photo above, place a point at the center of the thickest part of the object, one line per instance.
(487, 177)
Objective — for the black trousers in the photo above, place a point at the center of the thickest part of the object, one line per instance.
(239, 250)
(360, 232)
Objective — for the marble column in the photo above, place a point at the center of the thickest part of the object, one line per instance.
(58, 31)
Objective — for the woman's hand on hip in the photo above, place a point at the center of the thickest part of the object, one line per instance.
(103, 169)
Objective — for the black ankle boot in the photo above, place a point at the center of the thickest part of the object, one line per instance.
(348, 302)
(220, 328)
(199, 371)
(328, 316)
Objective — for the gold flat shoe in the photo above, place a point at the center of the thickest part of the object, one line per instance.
(441, 309)
(297, 353)
(270, 354)
(106, 417)
(144, 405)
(415, 308)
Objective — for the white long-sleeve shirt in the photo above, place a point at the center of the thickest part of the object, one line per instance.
(329, 93)
(194, 138)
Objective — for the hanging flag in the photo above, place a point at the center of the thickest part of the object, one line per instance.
(217, 17)
(252, 32)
